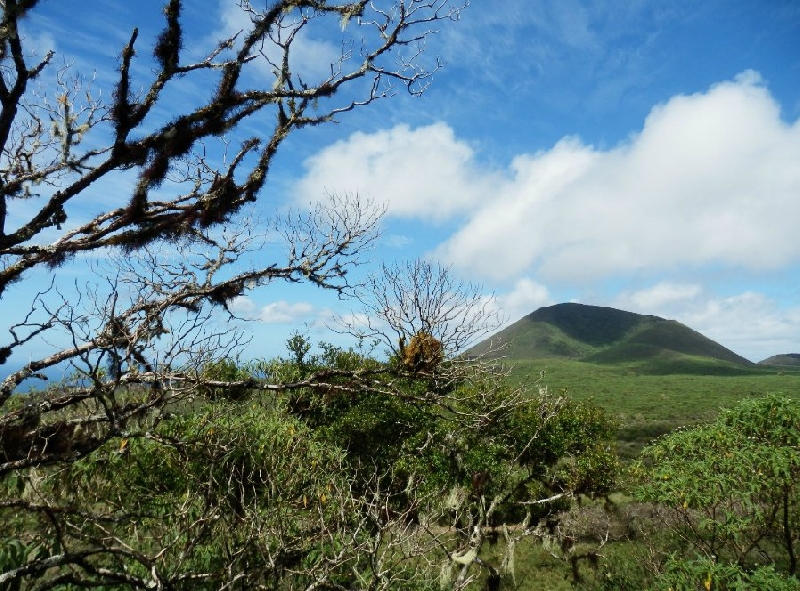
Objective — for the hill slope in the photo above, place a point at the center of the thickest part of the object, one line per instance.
(786, 360)
(603, 335)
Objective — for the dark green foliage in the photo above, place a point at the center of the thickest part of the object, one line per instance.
(533, 451)
(222, 489)
(354, 474)
(374, 428)
(479, 452)
(225, 370)
(731, 487)
(657, 337)
(320, 405)
(702, 574)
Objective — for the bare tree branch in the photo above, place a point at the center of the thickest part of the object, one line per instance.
(54, 155)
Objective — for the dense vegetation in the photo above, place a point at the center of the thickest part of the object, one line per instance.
(367, 488)
(336, 485)
(728, 498)
(649, 399)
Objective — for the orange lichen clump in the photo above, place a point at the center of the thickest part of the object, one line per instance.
(423, 353)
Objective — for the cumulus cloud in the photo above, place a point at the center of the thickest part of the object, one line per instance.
(711, 178)
(525, 296)
(425, 172)
(659, 297)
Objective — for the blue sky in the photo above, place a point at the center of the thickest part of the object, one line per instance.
(643, 155)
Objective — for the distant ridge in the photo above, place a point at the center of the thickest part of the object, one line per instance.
(603, 335)
(785, 360)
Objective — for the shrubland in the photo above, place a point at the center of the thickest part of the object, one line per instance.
(368, 475)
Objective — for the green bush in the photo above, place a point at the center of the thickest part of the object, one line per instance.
(731, 488)
(703, 574)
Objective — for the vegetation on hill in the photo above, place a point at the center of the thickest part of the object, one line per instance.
(654, 398)
(594, 325)
(785, 360)
(606, 335)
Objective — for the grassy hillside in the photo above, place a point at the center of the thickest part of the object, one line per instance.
(671, 394)
(787, 360)
(653, 375)
(607, 336)
(533, 340)
(593, 325)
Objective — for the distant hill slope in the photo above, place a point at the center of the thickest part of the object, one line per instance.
(603, 335)
(787, 359)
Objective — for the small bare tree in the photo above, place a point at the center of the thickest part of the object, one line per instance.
(419, 297)
(426, 319)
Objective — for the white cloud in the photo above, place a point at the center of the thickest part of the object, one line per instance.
(525, 297)
(515, 223)
(280, 312)
(658, 297)
(243, 307)
(425, 172)
(285, 312)
(712, 177)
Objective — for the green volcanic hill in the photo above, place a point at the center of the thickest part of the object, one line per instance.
(786, 360)
(607, 336)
